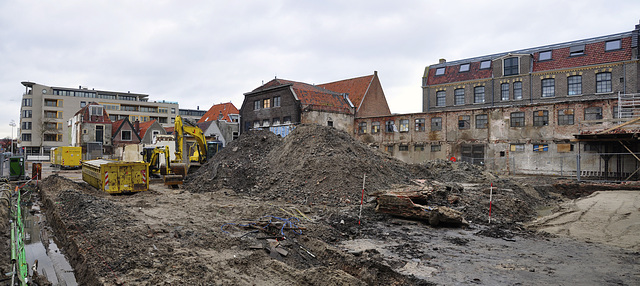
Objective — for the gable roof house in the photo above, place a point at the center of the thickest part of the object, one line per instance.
(148, 130)
(223, 111)
(280, 104)
(91, 124)
(124, 133)
(365, 93)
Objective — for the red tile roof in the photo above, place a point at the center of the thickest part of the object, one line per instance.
(453, 74)
(594, 54)
(115, 127)
(223, 108)
(312, 97)
(144, 126)
(355, 87)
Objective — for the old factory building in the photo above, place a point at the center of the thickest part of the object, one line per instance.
(558, 109)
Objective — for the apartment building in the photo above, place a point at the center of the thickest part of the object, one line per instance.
(529, 111)
(46, 110)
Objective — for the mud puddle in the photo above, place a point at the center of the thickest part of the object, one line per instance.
(40, 246)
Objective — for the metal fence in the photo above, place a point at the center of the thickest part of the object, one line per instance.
(584, 166)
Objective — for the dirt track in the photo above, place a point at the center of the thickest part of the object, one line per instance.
(217, 232)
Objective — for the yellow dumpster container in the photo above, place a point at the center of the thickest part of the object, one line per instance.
(67, 157)
(115, 177)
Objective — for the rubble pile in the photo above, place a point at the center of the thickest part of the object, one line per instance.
(312, 165)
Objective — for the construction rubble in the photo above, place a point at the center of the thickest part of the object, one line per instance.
(321, 208)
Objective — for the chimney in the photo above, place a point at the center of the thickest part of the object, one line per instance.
(442, 61)
(136, 126)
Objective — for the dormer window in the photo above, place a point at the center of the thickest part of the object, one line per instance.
(511, 66)
(576, 51)
(464, 68)
(485, 65)
(612, 45)
(544, 56)
(439, 71)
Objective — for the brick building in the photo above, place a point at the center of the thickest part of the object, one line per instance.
(523, 111)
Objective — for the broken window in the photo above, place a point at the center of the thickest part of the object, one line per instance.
(389, 149)
(481, 121)
(265, 122)
(540, 118)
(517, 147)
(403, 148)
(418, 147)
(286, 120)
(540, 147)
(517, 119)
(593, 113)
(404, 125)
(375, 127)
(565, 116)
(256, 124)
(464, 122)
(419, 124)
(390, 126)
(362, 128)
(436, 148)
(436, 124)
(275, 121)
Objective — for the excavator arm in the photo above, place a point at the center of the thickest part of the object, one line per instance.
(180, 129)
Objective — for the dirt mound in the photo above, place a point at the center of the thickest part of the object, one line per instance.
(461, 172)
(312, 165)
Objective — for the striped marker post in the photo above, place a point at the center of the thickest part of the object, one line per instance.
(364, 177)
(490, 198)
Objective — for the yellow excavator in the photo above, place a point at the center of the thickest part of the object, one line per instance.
(191, 157)
(151, 155)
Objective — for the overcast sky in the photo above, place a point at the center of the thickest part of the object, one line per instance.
(201, 53)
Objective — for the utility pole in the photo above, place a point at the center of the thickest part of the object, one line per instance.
(12, 124)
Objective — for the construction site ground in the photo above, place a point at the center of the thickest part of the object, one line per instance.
(272, 211)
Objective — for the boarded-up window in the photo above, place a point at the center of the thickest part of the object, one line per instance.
(564, 148)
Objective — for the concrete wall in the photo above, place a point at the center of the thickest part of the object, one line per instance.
(340, 121)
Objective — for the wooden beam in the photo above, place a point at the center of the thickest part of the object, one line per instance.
(619, 125)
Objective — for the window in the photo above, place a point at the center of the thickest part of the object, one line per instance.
(574, 85)
(517, 147)
(26, 136)
(544, 56)
(517, 119)
(26, 125)
(576, 50)
(375, 127)
(464, 67)
(481, 121)
(517, 90)
(403, 148)
(275, 121)
(548, 87)
(265, 122)
(96, 110)
(565, 116)
(540, 118)
(173, 120)
(419, 126)
(53, 137)
(276, 101)
(441, 98)
(362, 128)
(114, 118)
(257, 104)
(459, 96)
(26, 113)
(51, 126)
(485, 65)
(540, 147)
(436, 148)
(50, 114)
(173, 110)
(389, 126)
(464, 122)
(51, 103)
(504, 91)
(266, 103)
(603, 82)
(27, 102)
(404, 125)
(256, 124)
(612, 45)
(286, 120)
(436, 123)
(126, 135)
(593, 113)
(389, 149)
(418, 147)
(511, 66)
(161, 120)
(440, 71)
(478, 94)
